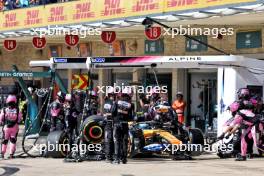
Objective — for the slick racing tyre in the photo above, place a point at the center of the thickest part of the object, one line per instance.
(196, 137)
(57, 145)
(93, 129)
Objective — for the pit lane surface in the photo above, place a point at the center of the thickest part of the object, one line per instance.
(201, 166)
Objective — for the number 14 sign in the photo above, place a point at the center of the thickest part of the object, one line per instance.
(10, 45)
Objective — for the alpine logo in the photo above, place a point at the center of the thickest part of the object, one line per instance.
(187, 58)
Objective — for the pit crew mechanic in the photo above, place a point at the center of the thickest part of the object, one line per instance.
(110, 111)
(124, 114)
(10, 117)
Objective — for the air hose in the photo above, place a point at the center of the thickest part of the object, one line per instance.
(87, 103)
(47, 101)
(78, 158)
(48, 98)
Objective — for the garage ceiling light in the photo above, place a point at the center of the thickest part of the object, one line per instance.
(2, 36)
(133, 22)
(137, 20)
(260, 8)
(229, 12)
(181, 16)
(250, 6)
(125, 24)
(95, 24)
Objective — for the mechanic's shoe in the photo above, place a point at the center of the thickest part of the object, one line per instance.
(68, 158)
(116, 161)
(188, 157)
(124, 161)
(261, 147)
(250, 156)
(2, 156)
(11, 156)
(221, 136)
(109, 160)
(182, 156)
(227, 136)
(241, 158)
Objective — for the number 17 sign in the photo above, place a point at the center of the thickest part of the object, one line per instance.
(108, 36)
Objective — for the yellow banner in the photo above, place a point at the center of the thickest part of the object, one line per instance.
(98, 10)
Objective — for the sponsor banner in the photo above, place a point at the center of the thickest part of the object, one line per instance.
(176, 5)
(144, 59)
(161, 59)
(84, 11)
(16, 74)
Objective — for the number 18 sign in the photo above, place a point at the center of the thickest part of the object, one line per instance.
(153, 33)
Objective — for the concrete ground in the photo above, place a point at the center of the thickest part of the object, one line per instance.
(201, 166)
(207, 164)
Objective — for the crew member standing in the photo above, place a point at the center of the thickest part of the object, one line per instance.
(124, 114)
(57, 113)
(10, 118)
(179, 106)
(110, 111)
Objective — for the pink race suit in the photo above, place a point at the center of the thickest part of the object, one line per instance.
(249, 130)
(10, 118)
(237, 106)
